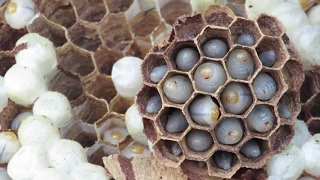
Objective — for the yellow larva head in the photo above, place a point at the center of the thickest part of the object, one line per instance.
(137, 149)
(10, 135)
(215, 113)
(116, 135)
(232, 97)
(12, 8)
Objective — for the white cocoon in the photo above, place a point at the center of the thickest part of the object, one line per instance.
(200, 6)
(38, 130)
(9, 145)
(287, 165)
(39, 55)
(4, 174)
(254, 8)
(301, 133)
(311, 152)
(86, 171)
(66, 154)
(314, 15)
(291, 15)
(17, 15)
(23, 85)
(127, 76)
(51, 174)
(135, 125)
(54, 105)
(27, 162)
(19, 118)
(3, 95)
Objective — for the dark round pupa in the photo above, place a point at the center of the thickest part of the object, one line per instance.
(158, 73)
(245, 40)
(154, 104)
(229, 131)
(215, 48)
(223, 159)
(187, 58)
(268, 58)
(251, 149)
(198, 140)
(284, 111)
(177, 122)
(175, 149)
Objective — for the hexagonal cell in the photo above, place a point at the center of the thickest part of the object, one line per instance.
(236, 98)
(120, 104)
(244, 26)
(242, 63)
(115, 32)
(216, 33)
(268, 86)
(195, 169)
(270, 25)
(139, 47)
(116, 6)
(57, 11)
(248, 173)
(90, 10)
(67, 84)
(143, 18)
(255, 152)
(314, 125)
(111, 128)
(75, 60)
(291, 102)
(105, 58)
(45, 28)
(99, 150)
(314, 106)
(149, 102)
(171, 123)
(154, 68)
(6, 61)
(150, 130)
(100, 86)
(188, 27)
(89, 109)
(184, 47)
(9, 37)
(85, 37)
(272, 52)
(230, 132)
(209, 76)
(293, 52)
(160, 32)
(224, 164)
(293, 74)
(170, 152)
(176, 89)
(198, 145)
(219, 16)
(204, 110)
(81, 132)
(171, 10)
(308, 88)
(281, 138)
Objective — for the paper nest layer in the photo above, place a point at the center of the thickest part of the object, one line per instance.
(194, 31)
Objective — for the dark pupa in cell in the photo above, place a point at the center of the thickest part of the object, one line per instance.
(187, 58)
(178, 89)
(245, 40)
(154, 104)
(284, 111)
(251, 149)
(177, 122)
(223, 159)
(201, 164)
(198, 140)
(268, 58)
(240, 64)
(229, 131)
(215, 48)
(175, 149)
(158, 73)
(260, 119)
(264, 86)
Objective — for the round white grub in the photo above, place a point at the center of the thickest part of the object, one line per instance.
(38, 130)
(311, 152)
(127, 76)
(9, 145)
(27, 162)
(134, 125)
(287, 165)
(24, 85)
(55, 106)
(86, 171)
(66, 154)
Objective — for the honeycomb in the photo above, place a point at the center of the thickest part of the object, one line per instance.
(193, 32)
